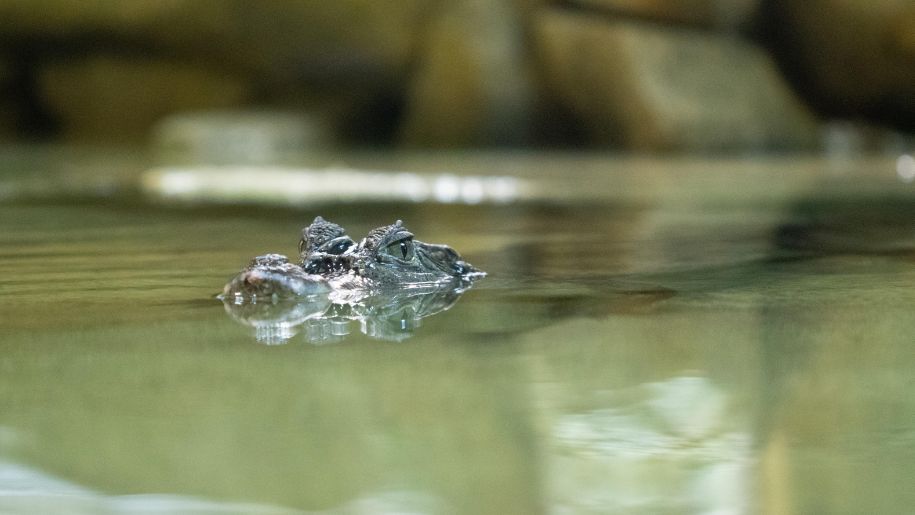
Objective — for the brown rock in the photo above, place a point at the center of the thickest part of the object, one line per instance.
(650, 88)
(851, 58)
(357, 40)
(472, 84)
(707, 13)
(119, 98)
(6, 71)
(348, 59)
(7, 103)
(903, 40)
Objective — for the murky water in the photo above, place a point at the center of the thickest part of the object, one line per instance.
(623, 356)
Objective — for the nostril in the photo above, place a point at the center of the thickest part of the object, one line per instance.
(463, 268)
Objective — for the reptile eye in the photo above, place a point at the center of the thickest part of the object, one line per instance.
(402, 250)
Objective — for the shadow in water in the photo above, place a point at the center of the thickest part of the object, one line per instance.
(390, 316)
(879, 227)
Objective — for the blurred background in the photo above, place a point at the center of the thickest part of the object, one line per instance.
(657, 76)
(697, 217)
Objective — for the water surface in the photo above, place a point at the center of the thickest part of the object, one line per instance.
(745, 354)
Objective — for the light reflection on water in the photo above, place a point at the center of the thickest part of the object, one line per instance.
(905, 168)
(674, 445)
(752, 357)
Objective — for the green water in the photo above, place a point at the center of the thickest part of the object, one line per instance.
(751, 356)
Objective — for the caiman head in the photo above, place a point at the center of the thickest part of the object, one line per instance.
(325, 249)
(387, 257)
(272, 276)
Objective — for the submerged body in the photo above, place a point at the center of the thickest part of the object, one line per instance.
(386, 260)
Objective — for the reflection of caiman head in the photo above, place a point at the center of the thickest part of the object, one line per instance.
(389, 316)
(388, 282)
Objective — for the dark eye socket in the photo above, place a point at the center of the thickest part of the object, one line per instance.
(402, 249)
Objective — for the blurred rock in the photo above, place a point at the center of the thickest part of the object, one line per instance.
(472, 86)
(649, 88)
(348, 58)
(117, 98)
(6, 72)
(859, 60)
(7, 105)
(903, 35)
(446, 74)
(62, 18)
(706, 13)
(239, 137)
(360, 40)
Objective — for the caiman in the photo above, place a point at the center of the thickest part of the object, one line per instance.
(388, 259)
(386, 279)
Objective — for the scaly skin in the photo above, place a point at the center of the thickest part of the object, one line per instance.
(386, 260)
